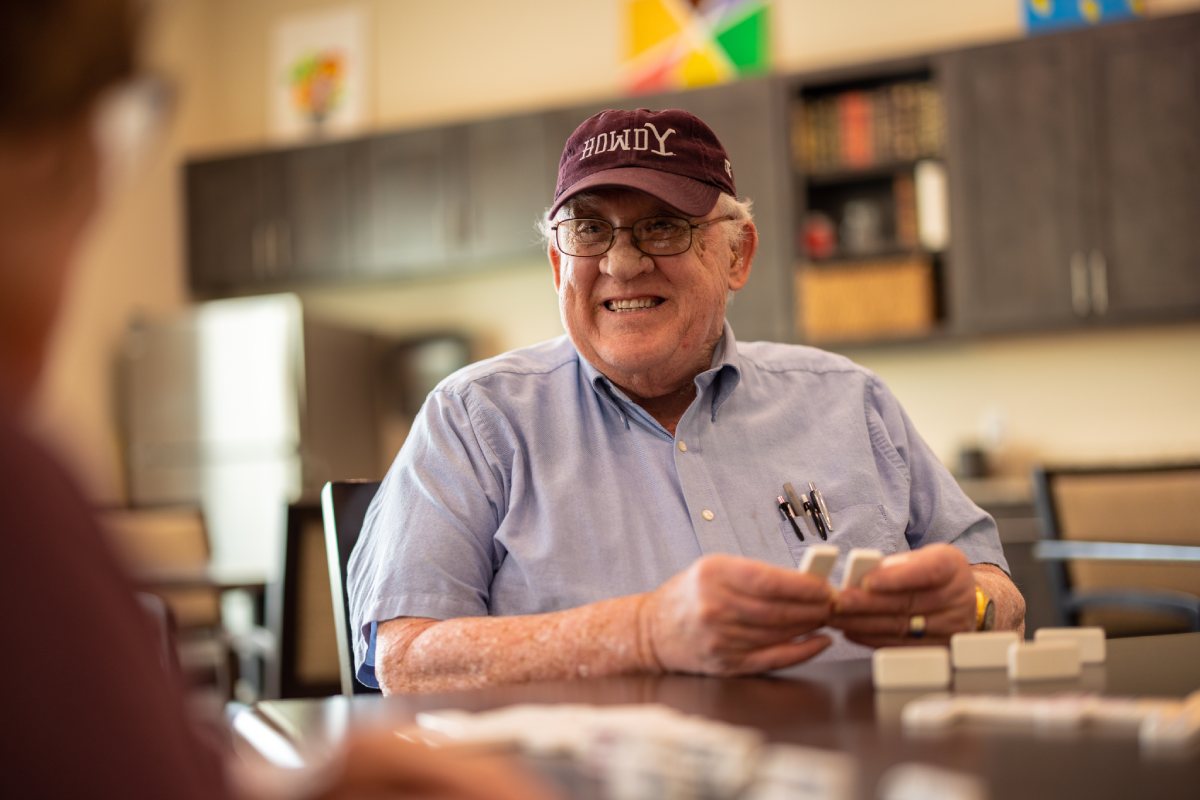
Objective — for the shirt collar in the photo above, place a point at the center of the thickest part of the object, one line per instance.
(722, 377)
(725, 373)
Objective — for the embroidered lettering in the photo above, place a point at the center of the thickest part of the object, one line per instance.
(613, 140)
(661, 139)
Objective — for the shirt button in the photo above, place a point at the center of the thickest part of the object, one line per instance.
(708, 515)
(682, 447)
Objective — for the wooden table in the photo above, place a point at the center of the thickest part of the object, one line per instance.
(832, 706)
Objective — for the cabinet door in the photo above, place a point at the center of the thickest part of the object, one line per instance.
(409, 224)
(1015, 143)
(1147, 208)
(312, 230)
(508, 188)
(226, 223)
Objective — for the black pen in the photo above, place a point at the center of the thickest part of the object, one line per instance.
(819, 512)
(789, 514)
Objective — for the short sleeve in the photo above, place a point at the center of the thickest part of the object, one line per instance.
(428, 546)
(939, 510)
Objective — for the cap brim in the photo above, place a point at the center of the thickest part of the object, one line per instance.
(690, 196)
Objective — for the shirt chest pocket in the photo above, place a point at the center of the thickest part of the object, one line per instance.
(858, 519)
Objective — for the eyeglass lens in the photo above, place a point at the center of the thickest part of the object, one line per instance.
(655, 236)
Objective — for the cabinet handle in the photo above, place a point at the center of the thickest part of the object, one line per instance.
(1079, 285)
(284, 233)
(1098, 267)
(270, 248)
(257, 250)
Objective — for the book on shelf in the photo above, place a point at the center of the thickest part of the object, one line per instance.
(856, 128)
(857, 146)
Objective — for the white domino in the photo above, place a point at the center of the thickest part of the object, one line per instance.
(913, 781)
(1172, 733)
(1090, 641)
(819, 559)
(983, 650)
(911, 667)
(861, 561)
(790, 772)
(1041, 661)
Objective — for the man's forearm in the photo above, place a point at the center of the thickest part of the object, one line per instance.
(1010, 605)
(603, 638)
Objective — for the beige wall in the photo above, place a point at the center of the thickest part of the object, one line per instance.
(1079, 396)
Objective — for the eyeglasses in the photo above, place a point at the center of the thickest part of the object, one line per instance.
(129, 121)
(654, 236)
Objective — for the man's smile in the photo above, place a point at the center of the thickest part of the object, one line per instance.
(625, 304)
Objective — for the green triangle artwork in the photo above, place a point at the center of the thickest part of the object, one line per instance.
(674, 44)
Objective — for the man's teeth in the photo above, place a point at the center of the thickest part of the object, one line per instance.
(633, 304)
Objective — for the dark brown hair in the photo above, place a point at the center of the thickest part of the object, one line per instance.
(58, 56)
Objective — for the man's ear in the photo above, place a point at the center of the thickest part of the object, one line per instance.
(743, 256)
(555, 265)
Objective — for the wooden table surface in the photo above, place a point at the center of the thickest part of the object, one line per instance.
(835, 706)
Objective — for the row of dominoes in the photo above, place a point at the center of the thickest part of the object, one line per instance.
(1054, 654)
(1163, 726)
(653, 751)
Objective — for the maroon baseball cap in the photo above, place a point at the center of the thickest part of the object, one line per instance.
(671, 155)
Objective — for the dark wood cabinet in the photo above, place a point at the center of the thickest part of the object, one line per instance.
(407, 203)
(226, 222)
(444, 200)
(1075, 177)
(1016, 142)
(508, 184)
(1144, 247)
(268, 218)
(313, 212)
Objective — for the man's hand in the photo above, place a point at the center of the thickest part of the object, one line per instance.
(727, 615)
(934, 582)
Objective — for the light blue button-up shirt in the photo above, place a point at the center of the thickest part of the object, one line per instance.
(530, 483)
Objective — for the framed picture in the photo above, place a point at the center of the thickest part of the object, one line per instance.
(318, 73)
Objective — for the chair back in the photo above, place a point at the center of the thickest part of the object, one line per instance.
(160, 541)
(301, 612)
(1139, 505)
(344, 504)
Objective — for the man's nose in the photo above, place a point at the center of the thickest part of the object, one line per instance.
(623, 260)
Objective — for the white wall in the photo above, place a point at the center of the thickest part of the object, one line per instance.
(1114, 394)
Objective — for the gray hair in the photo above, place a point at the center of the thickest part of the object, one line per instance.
(727, 205)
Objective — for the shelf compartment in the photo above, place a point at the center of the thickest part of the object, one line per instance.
(867, 299)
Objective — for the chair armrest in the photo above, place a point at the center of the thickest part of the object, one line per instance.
(1165, 602)
(1072, 550)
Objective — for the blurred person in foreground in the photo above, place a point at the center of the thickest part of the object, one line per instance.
(89, 710)
(607, 502)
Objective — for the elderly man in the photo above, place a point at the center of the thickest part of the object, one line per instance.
(606, 502)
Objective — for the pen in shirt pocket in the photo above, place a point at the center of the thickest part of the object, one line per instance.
(812, 504)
